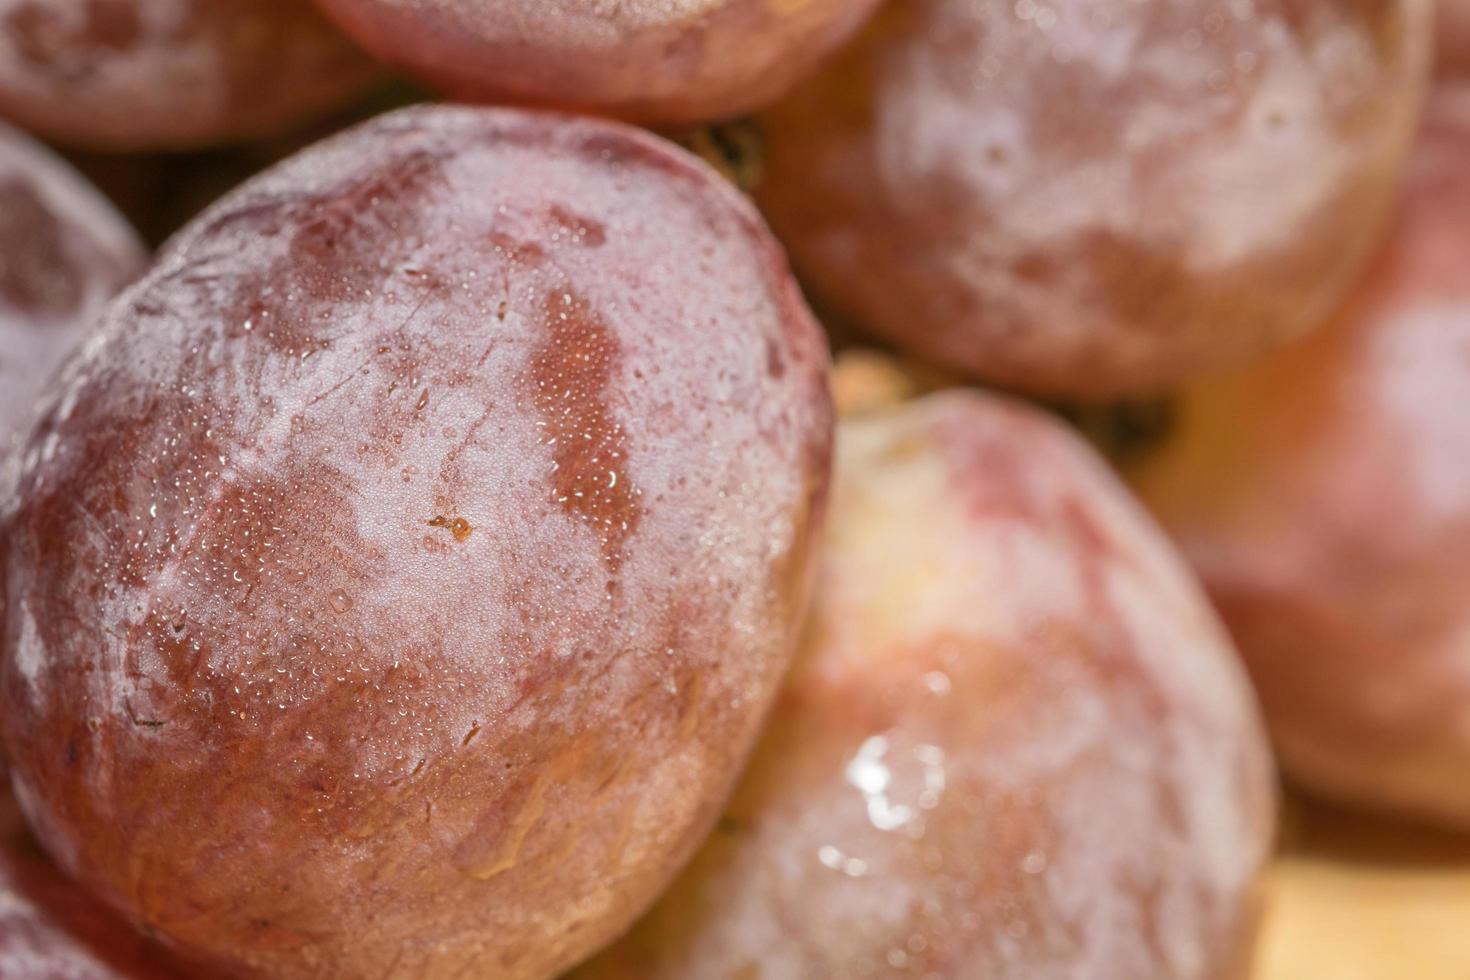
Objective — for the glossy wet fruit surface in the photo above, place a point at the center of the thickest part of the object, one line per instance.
(1094, 198)
(401, 583)
(63, 253)
(653, 61)
(1016, 743)
(1324, 497)
(142, 74)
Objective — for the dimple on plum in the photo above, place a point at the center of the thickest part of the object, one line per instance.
(400, 582)
(1097, 198)
(1016, 743)
(652, 61)
(171, 74)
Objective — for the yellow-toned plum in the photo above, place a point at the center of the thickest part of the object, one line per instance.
(1016, 743)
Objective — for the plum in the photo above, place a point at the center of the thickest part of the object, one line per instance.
(51, 930)
(1324, 497)
(1015, 743)
(63, 253)
(401, 579)
(652, 61)
(1096, 198)
(1453, 34)
(171, 74)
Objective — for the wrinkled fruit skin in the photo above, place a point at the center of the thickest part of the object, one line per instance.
(51, 930)
(63, 253)
(1324, 497)
(650, 61)
(1105, 197)
(171, 74)
(401, 583)
(1016, 743)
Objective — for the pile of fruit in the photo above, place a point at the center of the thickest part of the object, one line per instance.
(453, 553)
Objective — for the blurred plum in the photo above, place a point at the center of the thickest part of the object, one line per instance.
(1324, 497)
(1096, 198)
(171, 74)
(652, 61)
(1016, 743)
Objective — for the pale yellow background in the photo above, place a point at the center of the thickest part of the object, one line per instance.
(1358, 899)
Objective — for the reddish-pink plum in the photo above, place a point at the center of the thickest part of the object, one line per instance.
(170, 74)
(52, 930)
(400, 581)
(63, 253)
(1324, 497)
(1094, 198)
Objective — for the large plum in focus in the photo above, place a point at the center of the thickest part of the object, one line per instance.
(171, 74)
(1095, 198)
(1015, 744)
(51, 930)
(1324, 497)
(64, 252)
(652, 61)
(402, 579)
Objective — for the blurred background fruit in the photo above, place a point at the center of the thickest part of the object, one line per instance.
(1016, 742)
(652, 61)
(1323, 495)
(64, 252)
(1453, 31)
(171, 74)
(1092, 198)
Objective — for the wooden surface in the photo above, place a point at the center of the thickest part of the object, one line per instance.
(1353, 898)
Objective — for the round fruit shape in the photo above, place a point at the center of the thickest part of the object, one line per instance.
(64, 252)
(51, 930)
(652, 61)
(1095, 198)
(1324, 497)
(171, 74)
(407, 570)
(1015, 744)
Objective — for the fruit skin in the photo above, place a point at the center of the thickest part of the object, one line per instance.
(1323, 495)
(660, 62)
(51, 930)
(171, 74)
(64, 252)
(401, 582)
(1182, 191)
(1452, 31)
(1015, 744)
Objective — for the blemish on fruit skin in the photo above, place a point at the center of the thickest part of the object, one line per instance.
(457, 526)
(570, 375)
